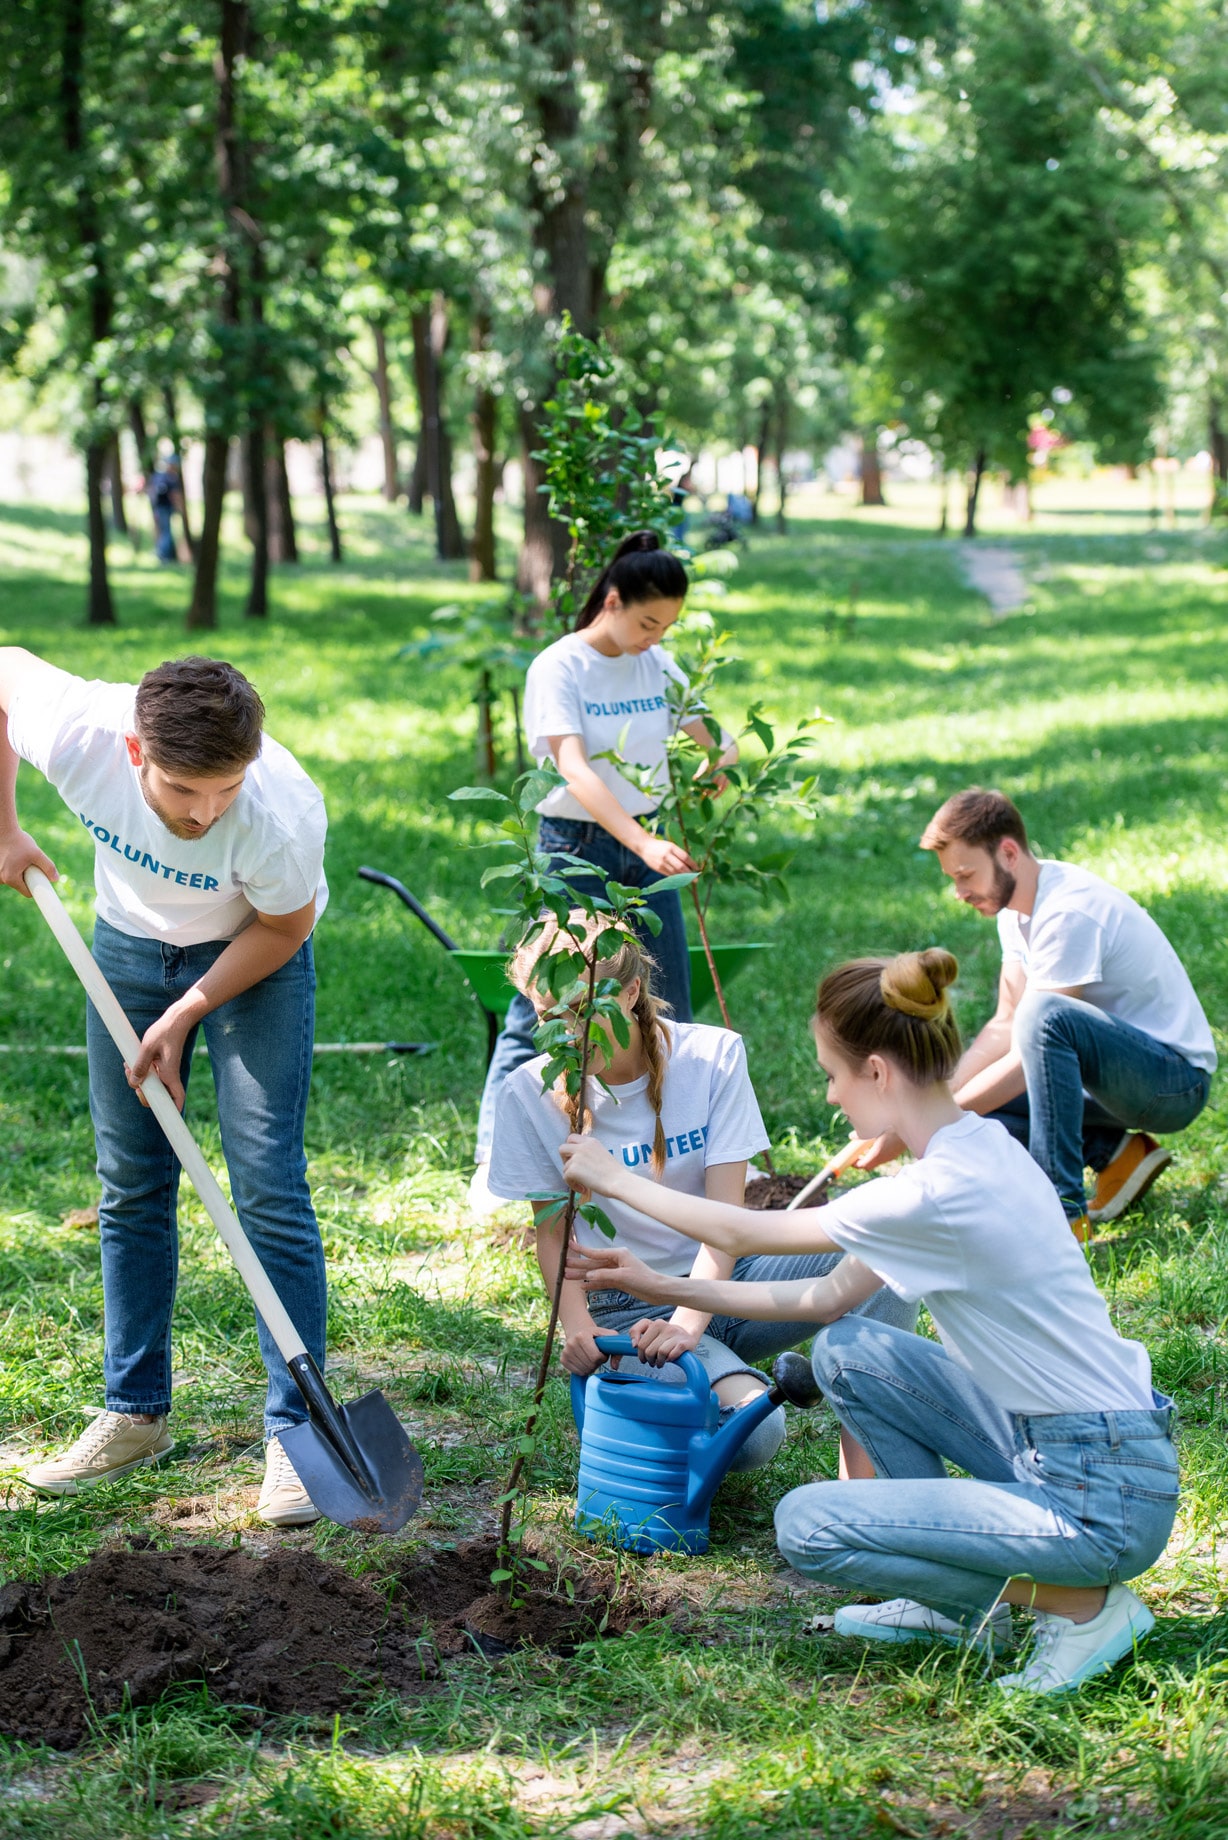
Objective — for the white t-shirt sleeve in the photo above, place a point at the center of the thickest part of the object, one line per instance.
(1067, 951)
(553, 704)
(288, 874)
(735, 1127)
(895, 1226)
(520, 1162)
(49, 707)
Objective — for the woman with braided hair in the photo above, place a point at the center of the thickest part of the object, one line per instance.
(1070, 1484)
(676, 1104)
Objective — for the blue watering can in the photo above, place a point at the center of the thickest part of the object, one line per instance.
(651, 1455)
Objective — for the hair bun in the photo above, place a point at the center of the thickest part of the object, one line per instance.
(915, 983)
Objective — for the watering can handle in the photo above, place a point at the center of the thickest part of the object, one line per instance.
(696, 1373)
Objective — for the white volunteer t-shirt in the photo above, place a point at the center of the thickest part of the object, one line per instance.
(265, 853)
(976, 1230)
(709, 1112)
(572, 689)
(1085, 934)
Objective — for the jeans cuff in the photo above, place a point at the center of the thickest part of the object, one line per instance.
(157, 1408)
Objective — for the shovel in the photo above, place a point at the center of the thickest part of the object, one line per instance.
(843, 1159)
(355, 1462)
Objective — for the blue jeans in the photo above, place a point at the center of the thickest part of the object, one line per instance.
(1090, 1077)
(736, 1345)
(164, 546)
(260, 1051)
(671, 978)
(1073, 1498)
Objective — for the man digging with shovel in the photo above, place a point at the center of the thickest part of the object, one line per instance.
(209, 850)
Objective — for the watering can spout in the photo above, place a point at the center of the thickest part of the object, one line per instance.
(712, 1452)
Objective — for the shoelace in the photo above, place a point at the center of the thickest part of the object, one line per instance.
(1046, 1633)
(96, 1435)
(281, 1470)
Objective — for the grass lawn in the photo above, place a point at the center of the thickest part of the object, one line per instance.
(1101, 706)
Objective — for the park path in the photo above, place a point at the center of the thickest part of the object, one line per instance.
(995, 573)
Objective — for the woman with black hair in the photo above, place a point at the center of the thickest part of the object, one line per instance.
(603, 687)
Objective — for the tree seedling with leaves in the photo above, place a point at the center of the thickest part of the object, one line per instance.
(482, 641)
(602, 462)
(580, 1025)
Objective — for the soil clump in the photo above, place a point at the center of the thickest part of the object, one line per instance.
(556, 1609)
(287, 1633)
(774, 1191)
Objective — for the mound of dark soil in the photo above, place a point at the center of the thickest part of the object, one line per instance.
(557, 1609)
(287, 1633)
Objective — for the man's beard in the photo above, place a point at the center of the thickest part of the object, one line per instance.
(1004, 884)
(187, 833)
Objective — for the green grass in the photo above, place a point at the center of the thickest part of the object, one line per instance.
(1102, 707)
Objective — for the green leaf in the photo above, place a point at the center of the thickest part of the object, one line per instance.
(597, 1217)
(502, 872)
(501, 1577)
(480, 792)
(682, 880)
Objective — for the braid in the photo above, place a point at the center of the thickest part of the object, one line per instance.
(656, 1053)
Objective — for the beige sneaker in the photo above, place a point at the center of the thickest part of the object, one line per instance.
(284, 1502)
(109, 1447)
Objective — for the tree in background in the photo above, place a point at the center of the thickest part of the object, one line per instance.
(1012, 229)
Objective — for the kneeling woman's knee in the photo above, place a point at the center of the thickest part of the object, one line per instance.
(848, 1337)
(804, 1533)
(762, 1444)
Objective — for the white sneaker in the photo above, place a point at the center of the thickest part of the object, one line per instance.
(284, 1502)
(902, 1620)
(1065, 1654)
(108, 1448)
(479, 1199)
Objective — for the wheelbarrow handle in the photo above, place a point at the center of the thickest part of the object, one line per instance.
(412, 902)
(164, 1109)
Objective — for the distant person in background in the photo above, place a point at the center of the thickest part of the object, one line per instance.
(165, 489)
(1098, 1040)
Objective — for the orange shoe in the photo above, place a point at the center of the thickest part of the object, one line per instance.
(1081, 1227)
(1136, 1162)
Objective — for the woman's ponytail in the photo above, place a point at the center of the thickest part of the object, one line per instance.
(640, 570)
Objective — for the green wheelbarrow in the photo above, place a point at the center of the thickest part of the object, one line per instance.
(485, 970)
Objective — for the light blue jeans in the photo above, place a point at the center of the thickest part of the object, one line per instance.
(1076, 1498)
(736, 1345)
(671, 979)
(260, 1051)
(1090, 1077)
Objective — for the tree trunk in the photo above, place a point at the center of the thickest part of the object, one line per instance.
(387, 433)
(258, 502)
(871, 471)
(1218, 443)
(228, 157)
(100, 610)
(943, 520)
(485, 428)
(115, 480)
(430, 329)
(171, 410)
(544, 548)
(782, 441)
(974, 492)
(202, 614)
(140, 434)
(763, 438)
(326, 477)
(283, 536)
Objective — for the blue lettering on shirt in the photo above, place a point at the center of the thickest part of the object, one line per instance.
(141, 859)
(679, 1145)
(629, 706)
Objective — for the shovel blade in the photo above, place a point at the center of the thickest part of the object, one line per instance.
(392, 1462)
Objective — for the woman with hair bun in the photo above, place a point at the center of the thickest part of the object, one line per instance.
(1071, 1484)
(603, 687)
